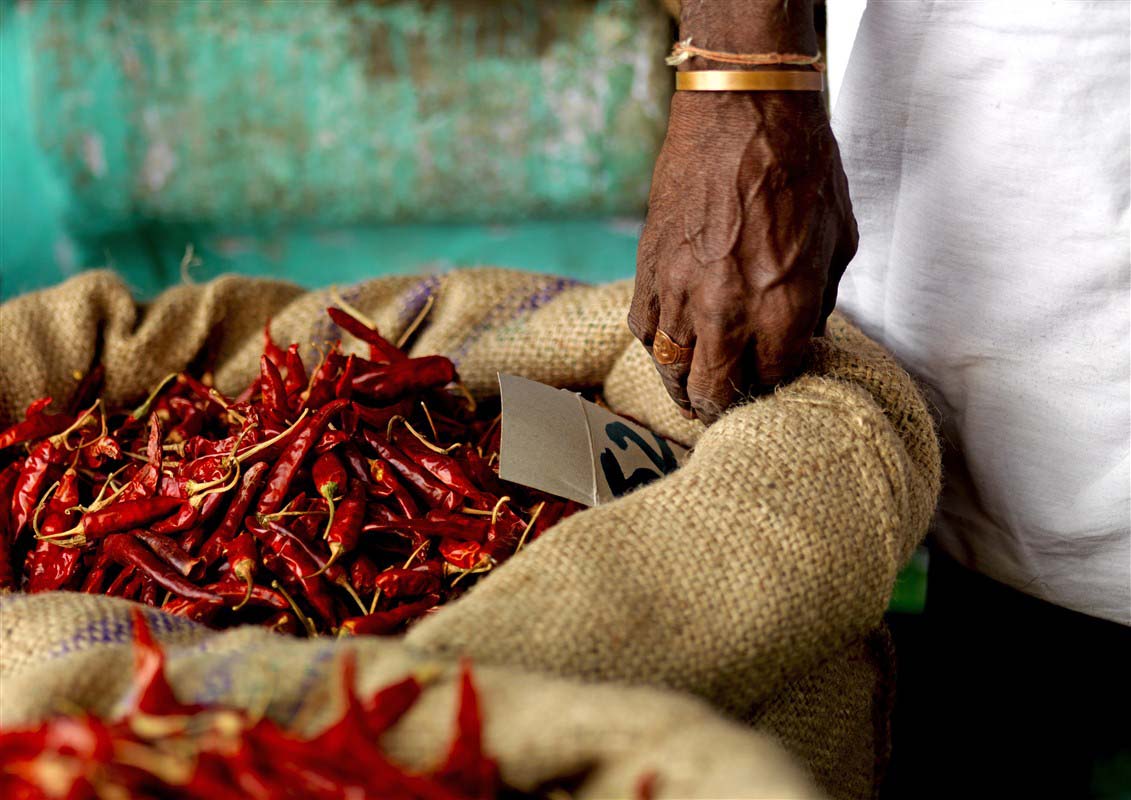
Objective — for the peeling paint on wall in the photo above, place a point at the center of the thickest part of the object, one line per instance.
(348, 113)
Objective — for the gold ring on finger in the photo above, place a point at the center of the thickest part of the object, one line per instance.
(666, 351)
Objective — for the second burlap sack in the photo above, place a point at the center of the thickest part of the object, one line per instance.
(769, 556)
(74, 651)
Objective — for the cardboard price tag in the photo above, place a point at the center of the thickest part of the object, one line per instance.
(556, 441)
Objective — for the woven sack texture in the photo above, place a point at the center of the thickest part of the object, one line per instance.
(837, 717)
(67, 650)
(769, 553)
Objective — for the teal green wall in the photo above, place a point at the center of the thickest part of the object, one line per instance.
(297, 138)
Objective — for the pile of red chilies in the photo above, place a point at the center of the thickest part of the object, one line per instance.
(350, 499)
(165, 748)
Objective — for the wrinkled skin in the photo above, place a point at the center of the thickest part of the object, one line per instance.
(749, 231)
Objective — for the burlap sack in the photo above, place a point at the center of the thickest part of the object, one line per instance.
(70, 650)
(769, 554)
(837, 718)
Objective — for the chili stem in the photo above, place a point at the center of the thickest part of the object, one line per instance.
(477, 570)
(352, 592)
(305, 620)
(143, 409)
(415, 553)
(256, 449)
(475, 512)
(350, 309)
(423, 440)
(40, 506)
(412, 326)
(60, 439)
(529, 525)
(431, 424)
(466, 394)
(498, 505)
(246, 575)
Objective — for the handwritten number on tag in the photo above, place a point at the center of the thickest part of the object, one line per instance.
(621, 435)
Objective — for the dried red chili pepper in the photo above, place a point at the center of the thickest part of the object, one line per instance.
(481, 472)
(363, 572)
(249, 486)
(186, 517)
(172, 554)
(233, 755)
(434, 492)
(8, 478)
(117, 587)
(298, 568)
(36, 424)
(128, 551)
(296, 373)
(273, 389)
(103, 449)
(386, 483)
(272, 350)
(283, 472)
(190, 419)
(395, 582)
(379, 418)
(243, 558)
(445, 468)
(123, 516)
(145, 481)
(382, 623)
(50, 567)
(29, 486)
(323, 383)
(467, 769)
(345, 527)
(202, 611)
(411, 376)
(380, 348)
(154, 695)
(237, 593)
(148, 593)
(215, 402)
(456, 527)
(330, 479)
(343, 388)
(332, 439)
(463, 555)
(287, 479)
(96, 575)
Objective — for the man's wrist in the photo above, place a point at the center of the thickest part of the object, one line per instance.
(747, 26)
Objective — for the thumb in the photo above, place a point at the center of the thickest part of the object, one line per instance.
(843, 254)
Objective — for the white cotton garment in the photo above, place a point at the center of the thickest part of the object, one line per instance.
(987, 151)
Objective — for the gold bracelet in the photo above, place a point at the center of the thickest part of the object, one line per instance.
(745, 81)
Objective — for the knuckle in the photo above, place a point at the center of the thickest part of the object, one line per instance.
(721, 301)
(673, 383)
(779, 370)
(708, 400)
(638, 327)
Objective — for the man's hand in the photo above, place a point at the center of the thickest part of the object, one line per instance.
(749, 230)
(749, 223)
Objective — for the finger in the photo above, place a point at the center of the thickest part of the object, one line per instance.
(644, 312)
(782, 341)
(843, 254)
(675, 322)
(715, 380)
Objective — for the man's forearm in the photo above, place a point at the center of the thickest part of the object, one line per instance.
(747, 26)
